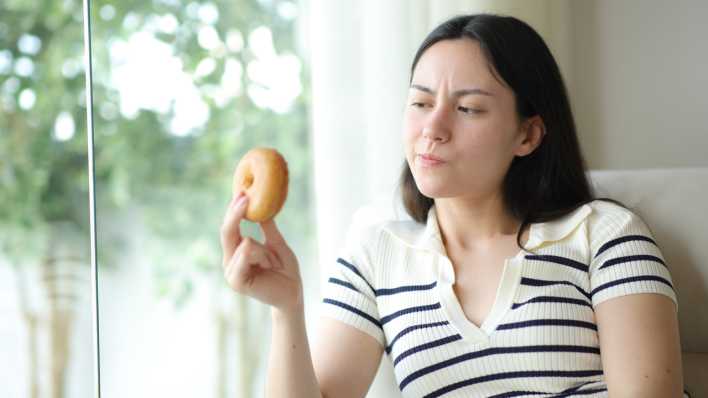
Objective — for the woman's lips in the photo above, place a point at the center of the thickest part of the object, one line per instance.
(429, 161)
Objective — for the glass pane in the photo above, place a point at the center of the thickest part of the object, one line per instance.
(182, 90)
(45, 289)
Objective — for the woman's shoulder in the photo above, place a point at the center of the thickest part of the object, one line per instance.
(364, 233)
(607, 213)
(603, 219)
(387, 228)
(373, 223)
(610, 223)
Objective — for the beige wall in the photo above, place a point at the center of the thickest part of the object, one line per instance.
(639, 84)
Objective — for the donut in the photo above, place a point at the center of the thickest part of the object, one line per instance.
(262, 173)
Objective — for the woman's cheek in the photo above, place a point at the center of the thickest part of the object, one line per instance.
(409, 133)
(407, 122)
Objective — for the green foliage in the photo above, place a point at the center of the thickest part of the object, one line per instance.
(42, 180)
(182, 182)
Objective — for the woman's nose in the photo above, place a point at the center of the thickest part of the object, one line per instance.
(432, 134)
(436, 127)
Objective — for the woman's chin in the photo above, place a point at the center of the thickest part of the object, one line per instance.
(431, 192)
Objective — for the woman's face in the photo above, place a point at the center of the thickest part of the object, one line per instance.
(457, 111)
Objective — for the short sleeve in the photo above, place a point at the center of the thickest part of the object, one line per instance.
(626, 259)
(348, 294)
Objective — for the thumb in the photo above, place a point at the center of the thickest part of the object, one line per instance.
(273, 237)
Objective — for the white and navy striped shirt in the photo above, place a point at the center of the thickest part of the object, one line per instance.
(394, 281)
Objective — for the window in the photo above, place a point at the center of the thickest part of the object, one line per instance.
(181, 90)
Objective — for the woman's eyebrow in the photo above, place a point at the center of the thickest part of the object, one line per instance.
(458, 93)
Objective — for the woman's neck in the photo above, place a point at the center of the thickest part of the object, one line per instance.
(467, 224)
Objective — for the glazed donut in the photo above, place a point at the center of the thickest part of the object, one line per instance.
(263, 174)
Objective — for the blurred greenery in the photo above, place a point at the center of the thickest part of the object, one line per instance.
(42, 180)
(180, 181)
(176, 172)
(44, 202)
(154, 170)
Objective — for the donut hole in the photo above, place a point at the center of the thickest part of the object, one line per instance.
(248, 181)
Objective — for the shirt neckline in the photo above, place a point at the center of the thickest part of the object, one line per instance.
(504, 296)
(429, 238)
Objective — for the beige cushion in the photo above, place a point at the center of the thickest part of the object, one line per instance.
(673, 203)
(695, 371)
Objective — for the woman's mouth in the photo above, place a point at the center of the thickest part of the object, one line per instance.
(429, 161)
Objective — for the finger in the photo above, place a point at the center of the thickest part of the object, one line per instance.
(231, 230)
(248, 259)
(229, 273)
(274, 260)
(257, 254)
(238, 273)
(273, 237)
(260, 284)
(275, 241)
(238, 196)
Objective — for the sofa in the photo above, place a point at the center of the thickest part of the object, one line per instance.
(673, 204)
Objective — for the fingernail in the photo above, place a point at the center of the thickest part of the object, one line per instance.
(241, 200)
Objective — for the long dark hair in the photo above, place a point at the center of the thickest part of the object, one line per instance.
(550, 182)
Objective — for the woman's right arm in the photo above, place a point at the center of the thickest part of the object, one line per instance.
(345, 359)
(290, 368)
(343, 363)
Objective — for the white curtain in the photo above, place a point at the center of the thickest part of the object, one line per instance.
(360, 54)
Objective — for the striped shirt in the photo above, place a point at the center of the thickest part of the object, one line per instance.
(394, 281)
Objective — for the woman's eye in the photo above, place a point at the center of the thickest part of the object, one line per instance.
(471, 111)
(417, 104)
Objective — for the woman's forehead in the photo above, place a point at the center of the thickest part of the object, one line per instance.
(459, 63)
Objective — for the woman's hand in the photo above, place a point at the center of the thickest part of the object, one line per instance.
(269, 271)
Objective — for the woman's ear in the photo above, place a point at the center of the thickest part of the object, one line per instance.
(531, 133)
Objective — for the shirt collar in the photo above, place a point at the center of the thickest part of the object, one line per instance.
(428, 237)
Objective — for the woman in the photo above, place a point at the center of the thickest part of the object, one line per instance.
(511, 279)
